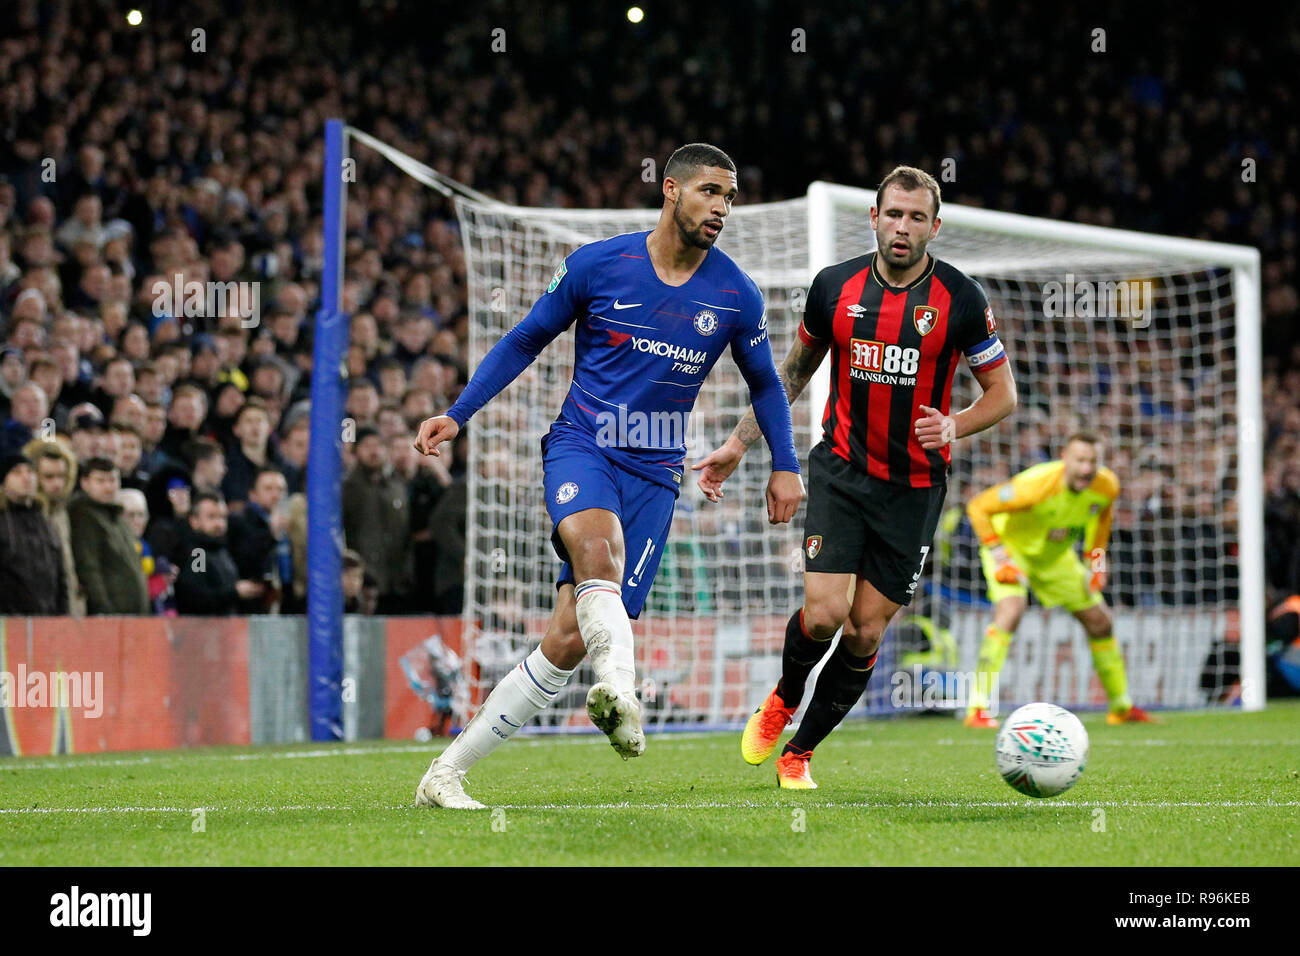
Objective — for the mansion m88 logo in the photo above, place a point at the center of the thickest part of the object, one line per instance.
(872, 361)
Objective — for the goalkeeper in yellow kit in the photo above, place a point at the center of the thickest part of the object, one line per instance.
(1027, 528)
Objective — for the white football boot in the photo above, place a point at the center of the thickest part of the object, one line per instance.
(443, 786)
(619, 717)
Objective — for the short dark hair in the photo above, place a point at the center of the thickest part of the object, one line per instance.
(909, 178)
(97, 464)
(202, 496)
(685, 160)
(267, 470)
(199, 449)
(125, 428)
(252, 403)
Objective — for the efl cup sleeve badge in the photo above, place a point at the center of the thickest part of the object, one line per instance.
(925, 317)
(564, 494)
(560, 271)
(706, 322)
(814, 546)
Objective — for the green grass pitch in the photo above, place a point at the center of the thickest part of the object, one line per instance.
(1201, 789)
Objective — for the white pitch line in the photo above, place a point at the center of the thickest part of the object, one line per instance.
(76, 761)
(743, 805)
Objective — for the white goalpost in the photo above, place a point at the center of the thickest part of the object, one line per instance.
(1151, 341)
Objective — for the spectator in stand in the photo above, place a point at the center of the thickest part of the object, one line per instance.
(152, 458)
(75, 387)
(208, 582)
(168, 497)
(447, 523)
(130, 410)
(251, 451)
(391, 377)
(205, 362)
(255, 535)
(358, 588)
(227, 400)
(426, 478)
(417, 405)
(376, 520)
(159, 573)
(293, 599)
(28, 411)
(207, 465)
(363, 402)
(127, 453)
(293, 453)
(184, 420)
(13, 372)
(31, 564)
(56, 476)
(148, 382)
(87, 432)
(103, 546)
(44, 371)
(116, 380)
(389, 422)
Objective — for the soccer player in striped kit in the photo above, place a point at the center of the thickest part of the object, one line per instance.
(652, 312)
(895, 322)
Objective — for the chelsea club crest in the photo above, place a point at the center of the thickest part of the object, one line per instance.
(706, 322)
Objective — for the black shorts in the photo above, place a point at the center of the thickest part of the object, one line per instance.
(857, 524)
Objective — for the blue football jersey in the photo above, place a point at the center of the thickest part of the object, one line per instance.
(643, 348)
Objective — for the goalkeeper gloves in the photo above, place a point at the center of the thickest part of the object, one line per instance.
(1097, 562)
(1005, 569)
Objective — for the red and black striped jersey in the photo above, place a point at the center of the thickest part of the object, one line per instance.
(892, 351)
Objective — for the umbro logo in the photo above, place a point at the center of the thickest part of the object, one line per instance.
(855, 310)
(625, 305)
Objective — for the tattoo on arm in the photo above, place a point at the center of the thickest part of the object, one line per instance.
(795, 372)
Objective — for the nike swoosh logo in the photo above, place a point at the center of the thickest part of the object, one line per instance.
(618, 306)
(507, 720)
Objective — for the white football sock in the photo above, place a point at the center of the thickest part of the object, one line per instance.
(607, 632)
(522, 694)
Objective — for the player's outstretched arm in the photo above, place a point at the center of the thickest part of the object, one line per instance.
(795, 373)
(550, 315)
(935, 429)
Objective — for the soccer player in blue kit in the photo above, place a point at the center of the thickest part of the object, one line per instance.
(653, 313)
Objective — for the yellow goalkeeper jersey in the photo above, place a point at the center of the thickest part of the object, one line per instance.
(1037, 516)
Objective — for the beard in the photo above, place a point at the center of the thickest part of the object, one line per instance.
(696, 236)
(902, 263)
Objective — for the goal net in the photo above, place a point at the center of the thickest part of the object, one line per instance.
(1152, 342)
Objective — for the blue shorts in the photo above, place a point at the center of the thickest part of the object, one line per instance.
(577, 476)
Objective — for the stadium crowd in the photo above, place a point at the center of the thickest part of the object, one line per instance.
(153, 454)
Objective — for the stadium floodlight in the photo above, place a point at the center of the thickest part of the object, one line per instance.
(1151, 341)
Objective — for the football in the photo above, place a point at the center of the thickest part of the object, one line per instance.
(1042, 750)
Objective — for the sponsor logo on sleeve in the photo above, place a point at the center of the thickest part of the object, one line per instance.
(992, 350)
(560, 272)
(988, 320)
